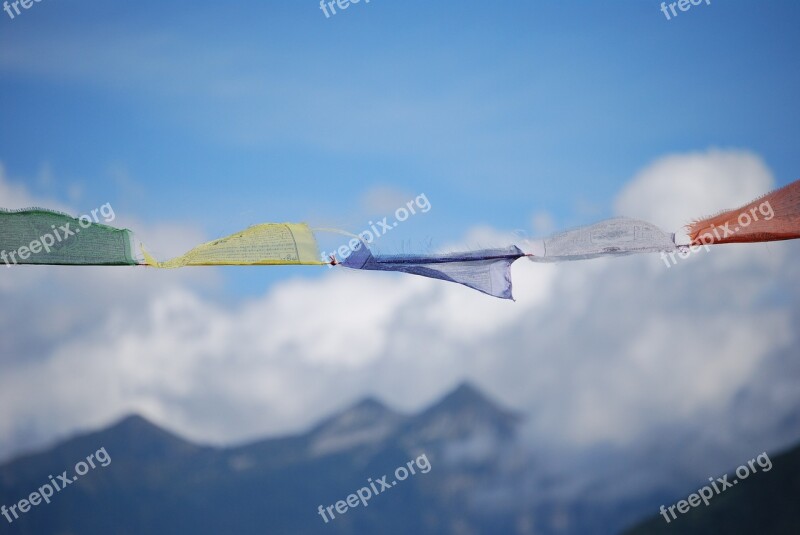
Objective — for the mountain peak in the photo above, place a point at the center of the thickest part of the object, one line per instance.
(367, 409)
(148, 439)
(462, 412)
(135, 424)
(366, 422)
(467, 396)
(370, 403)
(132, 421)
(465, 393)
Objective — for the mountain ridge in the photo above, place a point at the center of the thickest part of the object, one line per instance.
(159, 482)
(483, 478)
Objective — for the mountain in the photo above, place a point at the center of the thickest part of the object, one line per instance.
(765, 503)
(472, 475)
(156, 482)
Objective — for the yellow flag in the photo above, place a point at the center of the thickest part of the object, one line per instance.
(266, 244)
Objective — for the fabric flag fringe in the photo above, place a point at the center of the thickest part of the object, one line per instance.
(613, 237)
(268, 244)
(773, 217)
(488, 271)
(39, 236)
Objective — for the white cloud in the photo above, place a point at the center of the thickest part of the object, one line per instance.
(674, 190)
(602, 351)
(14, 196)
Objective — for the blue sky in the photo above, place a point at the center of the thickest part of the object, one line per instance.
(228, 115)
